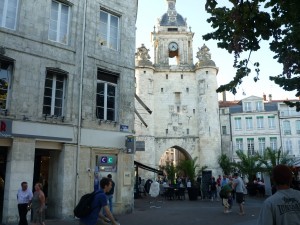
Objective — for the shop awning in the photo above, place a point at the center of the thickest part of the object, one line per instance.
(144, 167)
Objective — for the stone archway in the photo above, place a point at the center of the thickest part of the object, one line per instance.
(174, 155)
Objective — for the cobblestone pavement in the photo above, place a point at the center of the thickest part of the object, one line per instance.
(181, 212)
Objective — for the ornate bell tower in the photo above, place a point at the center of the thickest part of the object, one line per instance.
(172, 39)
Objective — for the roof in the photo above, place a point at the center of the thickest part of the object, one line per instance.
(227, 103)
(165, 21)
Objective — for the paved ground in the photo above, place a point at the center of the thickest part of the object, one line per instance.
(181, 212)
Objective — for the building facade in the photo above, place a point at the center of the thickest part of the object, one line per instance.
(67, 90)
(180, 94)
(255, 123)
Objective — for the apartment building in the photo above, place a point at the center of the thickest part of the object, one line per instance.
(66, 100)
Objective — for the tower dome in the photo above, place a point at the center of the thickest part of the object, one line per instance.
(171, 17)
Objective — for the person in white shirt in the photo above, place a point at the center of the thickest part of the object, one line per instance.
(24, 197)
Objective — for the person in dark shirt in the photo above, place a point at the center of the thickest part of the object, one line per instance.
(100, 201)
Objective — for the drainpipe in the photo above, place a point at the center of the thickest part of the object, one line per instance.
(80, 101)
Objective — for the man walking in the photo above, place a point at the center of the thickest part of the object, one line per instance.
(24, 197)
(238, 185)
(110, 194)
(100, 201)
(282, 208)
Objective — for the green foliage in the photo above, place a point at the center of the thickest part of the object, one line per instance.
(271, 158)
(189, 168)
(240, 29)
(249, 165)
(226, 164)
(170, 170)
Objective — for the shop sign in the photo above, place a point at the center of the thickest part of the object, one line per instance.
(107, 160)
(5, 128)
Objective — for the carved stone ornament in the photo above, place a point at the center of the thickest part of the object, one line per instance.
(142, 53)
(203, 54)
(2, 50)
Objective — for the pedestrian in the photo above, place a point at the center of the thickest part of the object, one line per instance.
(226, 195)
(238, 185)
(219, 180)
(110, 194)
(38, 205)
(213, 189)
(99, 202)
(282, 208)
(24, 197)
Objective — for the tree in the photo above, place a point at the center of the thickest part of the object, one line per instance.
(189, 168)
(241, 28)
(249, 165)
(225, 164)
(271, 158)
(170, 170)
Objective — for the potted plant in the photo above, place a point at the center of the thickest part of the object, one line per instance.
(170, 170)
(189, 168)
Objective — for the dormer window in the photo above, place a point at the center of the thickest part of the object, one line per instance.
(259, 106)
(247, 106)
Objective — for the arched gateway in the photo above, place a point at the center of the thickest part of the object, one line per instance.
(177, 105)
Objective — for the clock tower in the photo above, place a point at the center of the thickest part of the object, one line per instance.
(172, 39)
(180, 94)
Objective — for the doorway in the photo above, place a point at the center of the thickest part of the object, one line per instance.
(46, 165)
(3, 156)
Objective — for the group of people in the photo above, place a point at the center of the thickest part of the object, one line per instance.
(283, 207)
(31, 201)
(228, 189)
(36, 202)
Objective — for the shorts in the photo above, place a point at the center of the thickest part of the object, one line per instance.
(239, 197)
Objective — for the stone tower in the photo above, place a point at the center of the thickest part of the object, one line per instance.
(181, 95)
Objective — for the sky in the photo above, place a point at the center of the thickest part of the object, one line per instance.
(194, 10)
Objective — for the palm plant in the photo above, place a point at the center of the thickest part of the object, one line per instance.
(170, 170)
(189, 168)
(225, 164)
(271, 158)
(249, 165)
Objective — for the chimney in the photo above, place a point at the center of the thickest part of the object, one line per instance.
(264, 97)
(224, 96)
(270, 97)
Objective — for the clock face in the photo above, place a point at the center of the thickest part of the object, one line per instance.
(173, 46)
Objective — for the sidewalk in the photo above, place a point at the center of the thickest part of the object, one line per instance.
(178, 212)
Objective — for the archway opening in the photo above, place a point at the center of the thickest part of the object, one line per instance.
(169, 160)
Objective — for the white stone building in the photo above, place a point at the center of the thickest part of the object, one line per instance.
(254, 123)
(66, 99)
(181, 95)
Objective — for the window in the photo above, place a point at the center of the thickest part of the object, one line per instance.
(106, 95)
(224, 130)
(167, 76)
(247, 106)
(298, 147)
(150, 87)
(161, 90)
(288, 146)
(297, 126)
(261, 145)
(249, 123)
(273, 143)
(8, 13)
(187, 90)
(194, 111)
(222, 111)
(260, 122)
(59, 22)
(259, 106)
(250, 146)
(5, 79)
(187, 131)
(271, 120)
(54, 92)
(238, 123)
(177, 98)
(286, 127)
(181, 76)
(239, 144)
(167, 131)
(178, 109)
(109, 30)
